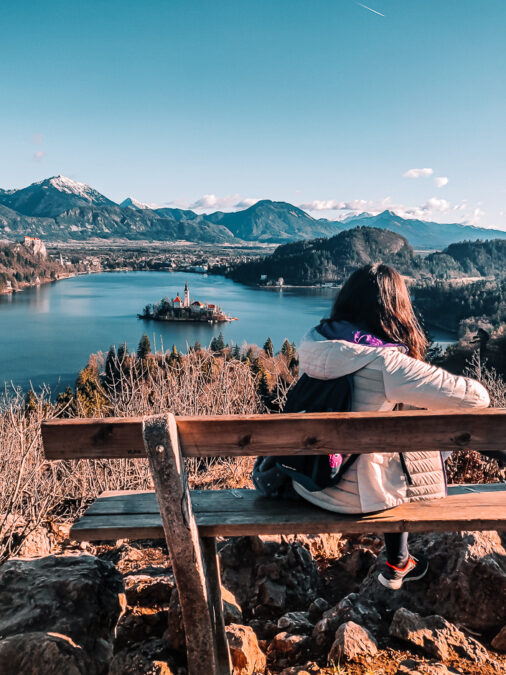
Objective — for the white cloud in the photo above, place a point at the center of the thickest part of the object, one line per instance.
(211, 202)
(418, 173)
(441, 181)
(37, 156)
(246, 203)
(354, 205)
(323, 205)
(435, 204)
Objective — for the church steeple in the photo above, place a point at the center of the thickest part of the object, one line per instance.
(186, 295)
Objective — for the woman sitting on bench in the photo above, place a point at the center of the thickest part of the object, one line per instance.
(374, 336)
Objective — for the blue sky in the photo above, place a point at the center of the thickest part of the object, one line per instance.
(322, 103)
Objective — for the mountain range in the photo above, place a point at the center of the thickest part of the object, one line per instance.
(60, 208)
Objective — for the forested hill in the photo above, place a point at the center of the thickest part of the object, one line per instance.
(476, 258)
(20, 267)
(328, 260)
(331, 260)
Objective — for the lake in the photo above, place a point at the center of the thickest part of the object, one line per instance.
(47, 333)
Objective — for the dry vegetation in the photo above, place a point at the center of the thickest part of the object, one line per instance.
(35, 491)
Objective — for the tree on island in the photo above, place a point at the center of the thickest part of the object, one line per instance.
(144, 348)
(269, 347)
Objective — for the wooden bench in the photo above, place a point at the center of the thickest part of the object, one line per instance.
(191, 520)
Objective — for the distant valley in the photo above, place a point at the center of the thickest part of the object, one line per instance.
(60, 209)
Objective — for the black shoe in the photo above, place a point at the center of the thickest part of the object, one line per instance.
(393, 577)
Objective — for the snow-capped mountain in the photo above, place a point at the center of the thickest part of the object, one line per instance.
(60, 208)
(132, 203)
(52, 196)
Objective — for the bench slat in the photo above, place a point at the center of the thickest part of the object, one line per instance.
(135, 515)
(298, 433)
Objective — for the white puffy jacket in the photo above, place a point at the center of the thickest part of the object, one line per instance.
(382, 378)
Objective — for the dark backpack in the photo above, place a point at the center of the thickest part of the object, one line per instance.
(272, 475)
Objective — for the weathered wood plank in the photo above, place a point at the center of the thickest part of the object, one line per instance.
(213, 577)
(182, 537)
(466, 508)
(125, 502)
(303, 433)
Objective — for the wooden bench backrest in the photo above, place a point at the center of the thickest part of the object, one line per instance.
(313, 433)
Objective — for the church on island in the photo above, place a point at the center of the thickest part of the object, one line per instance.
(185, 309)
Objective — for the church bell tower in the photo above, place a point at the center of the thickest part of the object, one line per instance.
(186, 296)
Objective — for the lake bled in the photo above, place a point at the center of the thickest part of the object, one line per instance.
(48, 332)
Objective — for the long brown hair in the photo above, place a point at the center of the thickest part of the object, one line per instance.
(375, 298)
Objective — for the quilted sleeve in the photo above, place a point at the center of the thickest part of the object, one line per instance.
(414, 382)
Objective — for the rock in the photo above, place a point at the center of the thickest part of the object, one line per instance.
(264, 628)
(308, 669)
(40, 653)
(316, 608)
(353, 608)
(152, 588)
(232, 612)
(295, 622)
(499, 642)
(80, 597)
(357, 563)
(247, 657)
(284, 646)
(272, 594)
(436, 636)
(412, 667)
(149, 658)
(139, 624)
(466, 582)
(352, 641)
(175, 630)
(268, 577)
(37, 544)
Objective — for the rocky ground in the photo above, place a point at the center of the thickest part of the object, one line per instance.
(292, 605)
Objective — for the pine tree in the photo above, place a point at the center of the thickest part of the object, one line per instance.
(122, 353)
(250, 354)
(263, 388)
(217, 343)
(197, 347)
(235, 353)
(287, 350)
(269, 347)
(144, 348)
(111, 367)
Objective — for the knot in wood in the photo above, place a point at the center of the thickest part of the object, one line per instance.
(244, 441)
(311, 440)
(462, 439)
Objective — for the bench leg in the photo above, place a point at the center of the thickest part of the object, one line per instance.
(167, 467)
(213, 577)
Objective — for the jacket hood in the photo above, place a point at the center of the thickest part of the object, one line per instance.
(342, 356)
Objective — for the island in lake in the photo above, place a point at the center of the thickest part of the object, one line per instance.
(185, 309)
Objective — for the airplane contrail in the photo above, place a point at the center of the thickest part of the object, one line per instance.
(369, 8)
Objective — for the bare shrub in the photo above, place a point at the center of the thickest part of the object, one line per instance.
(35, 491)
(469, 466)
